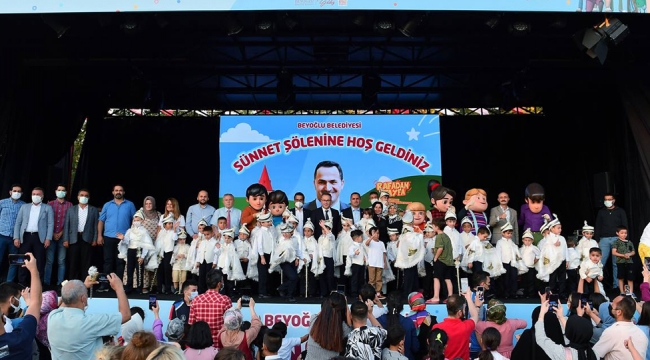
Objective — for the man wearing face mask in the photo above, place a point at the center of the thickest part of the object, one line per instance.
(211, 305)
(611, 345)
(299, 211)
(33, 231)
(60, 206)
(181, 309)
(75, 334)
(80, 235)
(9, 208)
(10, 294)
(17, 344)
(608, 219)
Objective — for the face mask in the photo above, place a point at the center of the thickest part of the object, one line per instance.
(16, 195)
(60, 194)
(9, 327)
(15, 309)
(83, 200)
(36, 199)
(298, 204)
(193, 294)
(609, 203)
(137, 223)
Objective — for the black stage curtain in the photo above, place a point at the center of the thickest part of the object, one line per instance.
(150, 156)
(636, 101)
(561, 150)
(42, 112)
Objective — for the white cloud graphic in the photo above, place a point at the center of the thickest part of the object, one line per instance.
(243, 133)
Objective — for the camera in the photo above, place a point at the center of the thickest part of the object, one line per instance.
(245, 300)
(17, 259)
(102, 278)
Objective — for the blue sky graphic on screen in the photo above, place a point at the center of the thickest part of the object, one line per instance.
(396, 153)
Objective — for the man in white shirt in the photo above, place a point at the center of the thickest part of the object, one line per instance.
(611, 345)
(231, 214)
(354, 211)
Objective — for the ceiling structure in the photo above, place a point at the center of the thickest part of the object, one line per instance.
(320, 59)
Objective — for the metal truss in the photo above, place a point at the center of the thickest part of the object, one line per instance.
(440, 111)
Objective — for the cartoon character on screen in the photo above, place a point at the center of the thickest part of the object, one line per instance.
(441, 199)
(410, 252)
(277, 202)
(418, 217)
(256, 199)
(475, 205)
(531, 215)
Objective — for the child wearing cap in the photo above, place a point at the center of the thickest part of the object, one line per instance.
(366, 217)
(244, 251)
(466, 235)
(343, 242)
(205, 256)
(443, 261)
(384, 197)
(483, 256)
(191, 257)
(311, 254)
(454, 235)
(376, 260)
(530, 255)
(228, 262)
(429, 238)
(180, 264)
(165, 240)
(509, 253)
(356, 263)
(327, 247)
(573, 262)
(137, 247)
(264, 240)
(286, 256)
(391, 255)
(410, 253)
(586, 243)
(554, 253)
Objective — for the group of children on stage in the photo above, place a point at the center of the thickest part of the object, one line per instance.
(429, 259)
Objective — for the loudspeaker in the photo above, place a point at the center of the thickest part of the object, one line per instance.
(603, 184)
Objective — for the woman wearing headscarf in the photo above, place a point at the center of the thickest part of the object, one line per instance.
(422, 320)
(151, 219)
(50, 302)
(232, 336)
(578, 332)
(380, 221)
(496, 318)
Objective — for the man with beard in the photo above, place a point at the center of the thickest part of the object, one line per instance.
(196, 212)
(114, 219)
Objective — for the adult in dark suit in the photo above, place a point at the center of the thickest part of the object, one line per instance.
(354, 212)
(80, 235)
(33, 231)
(324, 213)
(299, 211)
(328, 178)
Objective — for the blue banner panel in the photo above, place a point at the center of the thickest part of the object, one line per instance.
(88, 6)
(341, 154)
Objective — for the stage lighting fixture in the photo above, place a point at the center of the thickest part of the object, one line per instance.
(58, 27)
(233, 27)
(370, 86)
(284, 88)
(493, 21)
(410, 28)
(520, 28)
(384, 27)
(265, 26)
(289, 22)
(595, 41)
